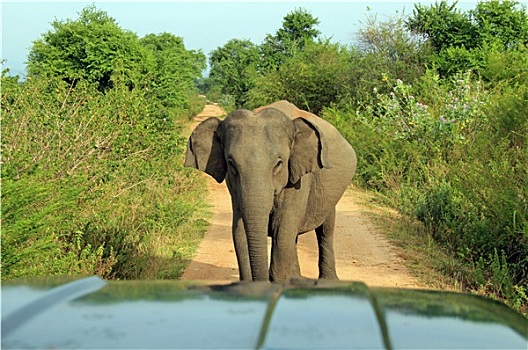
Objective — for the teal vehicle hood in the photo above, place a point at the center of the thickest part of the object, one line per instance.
(90, 313)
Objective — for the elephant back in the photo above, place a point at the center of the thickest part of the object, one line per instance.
(287, 108)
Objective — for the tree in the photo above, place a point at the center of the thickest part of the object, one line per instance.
(298, 28)
(176, 69)
(92, 48)
(389, 50)
(501, 23)
(464, 40)
(443, 25)
(312, 79)
(234, 68)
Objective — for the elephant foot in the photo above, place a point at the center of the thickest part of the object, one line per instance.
(329, 276)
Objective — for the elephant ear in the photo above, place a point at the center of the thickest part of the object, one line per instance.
(309, 151)
(204, 150)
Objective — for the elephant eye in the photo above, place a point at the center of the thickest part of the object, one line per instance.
(278, 166)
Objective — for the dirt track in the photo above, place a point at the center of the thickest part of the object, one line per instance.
(362, 253)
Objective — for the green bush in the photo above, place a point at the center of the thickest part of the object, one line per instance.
(312, 79)
(234, 69)
(462, 39)
(93, 183)
(92, 48)
(172, 80)
(452, 155)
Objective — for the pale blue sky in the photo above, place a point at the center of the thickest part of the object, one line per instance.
(202, 25)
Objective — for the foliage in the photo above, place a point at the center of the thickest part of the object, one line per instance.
(91, 48)
(453, 155)
(386, 51)
(92, 145)
(324, 74)
(506, 68)
(450, 148)
(91, 183)
(390, 40)
(311, 79)
(298, 29)
(234, 68)
(461, 40)
(95, 49)
(443, 25)
(172, 80)
(500, 23)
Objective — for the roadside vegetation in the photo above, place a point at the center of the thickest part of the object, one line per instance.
(92, 144)
(435, 104)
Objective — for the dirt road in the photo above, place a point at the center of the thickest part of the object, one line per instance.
(362, 253)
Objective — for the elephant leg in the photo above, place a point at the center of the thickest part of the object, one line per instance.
(282, 260)
(296, 267)
(325, 240)
(241, 247)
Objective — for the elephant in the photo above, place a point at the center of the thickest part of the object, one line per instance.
(285, 169)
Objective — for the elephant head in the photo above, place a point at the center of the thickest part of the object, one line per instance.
(259, 154)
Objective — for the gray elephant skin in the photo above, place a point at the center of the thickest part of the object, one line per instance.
(285, 169)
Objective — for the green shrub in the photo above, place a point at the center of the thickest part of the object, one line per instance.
(93, 183)
(234, 69)
(452, 155)
(461, 40)
(311, 79)
(227, 102)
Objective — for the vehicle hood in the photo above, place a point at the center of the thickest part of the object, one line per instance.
(91, 313)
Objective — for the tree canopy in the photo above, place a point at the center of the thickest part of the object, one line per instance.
(234, 68)
(462, 40)
(93, 48)
(176, 68)
(236, 65)
(299, 27)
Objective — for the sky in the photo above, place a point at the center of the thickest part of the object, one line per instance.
(203, 25)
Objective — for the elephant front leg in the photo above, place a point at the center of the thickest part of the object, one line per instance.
(285, 231)
(284, 263)
(325, 240)
(296, 267)
(241, 247)
(282, 259)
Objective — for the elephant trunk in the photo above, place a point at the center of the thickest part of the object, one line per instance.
(256, 211)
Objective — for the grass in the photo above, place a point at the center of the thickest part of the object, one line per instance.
(432, 264)
(455, 169)
(93, 183)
